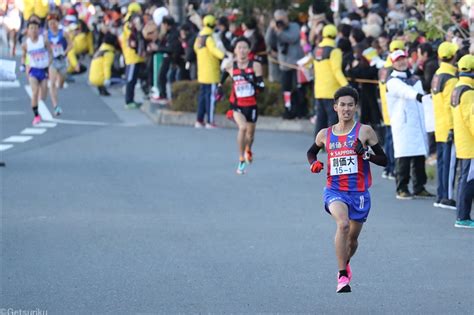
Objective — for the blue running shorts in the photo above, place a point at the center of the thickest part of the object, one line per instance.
(358, 202)
(38, 74)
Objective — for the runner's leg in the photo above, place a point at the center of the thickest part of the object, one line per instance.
(340, 213)
(241, 134)
(354, 230)
(43, 89)
(53, 86)
(249, 136)
(34, 92)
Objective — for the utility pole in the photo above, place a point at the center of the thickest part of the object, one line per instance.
(177, 10)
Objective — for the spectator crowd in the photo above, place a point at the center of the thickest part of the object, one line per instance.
(377, 47)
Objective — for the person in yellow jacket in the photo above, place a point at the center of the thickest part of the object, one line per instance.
(208, 63)
(74, 66)
(39, 8)
(83, 40)
(101, 65)
(462, 106)
(442, 86)
(328, 77)
(384, 73)
(133, 45)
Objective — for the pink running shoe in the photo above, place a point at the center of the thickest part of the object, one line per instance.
(36, 120)
(343, 284)
(349, 271)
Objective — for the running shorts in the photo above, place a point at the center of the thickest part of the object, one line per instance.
(60, 65)
(38, 74)
(358, 202)
(250, 112)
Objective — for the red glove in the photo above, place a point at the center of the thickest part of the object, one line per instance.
(230, 114)
(316, 166)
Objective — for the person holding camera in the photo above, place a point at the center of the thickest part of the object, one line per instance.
(285, 36)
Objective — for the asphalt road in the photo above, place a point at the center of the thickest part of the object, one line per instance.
(106, 213)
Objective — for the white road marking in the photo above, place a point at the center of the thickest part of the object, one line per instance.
(80, 122)
(4, 147)
(9, 84)
(33, 131)
(42, 108)
(18, 139)
(46, 125)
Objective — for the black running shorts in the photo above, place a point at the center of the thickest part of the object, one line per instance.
(250, 112)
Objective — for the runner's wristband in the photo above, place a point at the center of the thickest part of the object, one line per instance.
(259, 84)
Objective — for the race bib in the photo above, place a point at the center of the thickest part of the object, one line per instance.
(57, 49)
(39, 58)
(244, 89)
(344, 165)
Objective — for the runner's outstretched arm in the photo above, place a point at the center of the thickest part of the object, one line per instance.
(379, 157)
(312, 154)
(370, 138)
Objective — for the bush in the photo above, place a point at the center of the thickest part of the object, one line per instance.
(185, 98)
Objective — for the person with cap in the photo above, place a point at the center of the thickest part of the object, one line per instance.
(208, 72)
(101, 64)
(327, 63)
(133, 48)
(442, 87)
(285, 37)
(60, 46)
(404, 97)
(384, 73)
(462, 106)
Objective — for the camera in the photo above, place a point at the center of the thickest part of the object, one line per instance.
(280, 24)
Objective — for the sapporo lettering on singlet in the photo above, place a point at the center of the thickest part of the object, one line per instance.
(343, 159)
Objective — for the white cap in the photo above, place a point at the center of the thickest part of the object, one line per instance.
(397, 54)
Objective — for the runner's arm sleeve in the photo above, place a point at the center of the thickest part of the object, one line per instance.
(224, 77)
(379, 157)
(259, 84)
(312, 153)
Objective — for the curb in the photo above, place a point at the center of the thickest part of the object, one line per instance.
(163, 116)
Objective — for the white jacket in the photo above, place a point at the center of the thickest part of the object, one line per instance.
(406, 115)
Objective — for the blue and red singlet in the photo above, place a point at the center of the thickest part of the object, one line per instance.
(346, 171)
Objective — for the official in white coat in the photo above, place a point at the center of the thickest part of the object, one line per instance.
(404, 96)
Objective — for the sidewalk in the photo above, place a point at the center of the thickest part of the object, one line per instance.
(168, 117)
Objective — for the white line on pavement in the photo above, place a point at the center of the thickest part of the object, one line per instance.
(80, 122)
(9, 84)
(18, 139)
(42, 108)
(4, 147)
(46, 125)
(33, 131)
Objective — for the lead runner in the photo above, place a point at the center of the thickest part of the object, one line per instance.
(346, 195)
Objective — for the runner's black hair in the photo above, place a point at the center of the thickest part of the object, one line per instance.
(346, 91)
(241, 39)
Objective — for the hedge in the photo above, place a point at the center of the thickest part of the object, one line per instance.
(185, 96)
